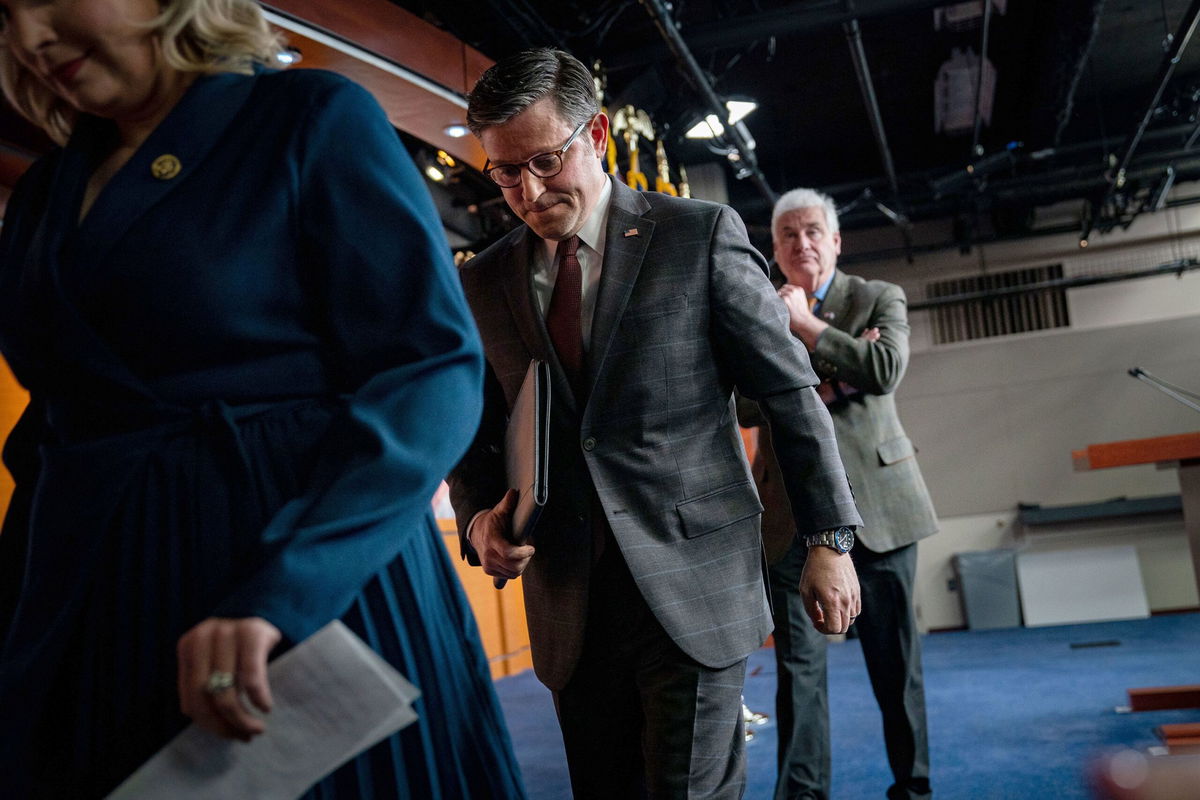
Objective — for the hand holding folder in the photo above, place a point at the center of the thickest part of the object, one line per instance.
(526, 453)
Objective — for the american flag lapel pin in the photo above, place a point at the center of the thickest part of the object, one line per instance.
(631, 232)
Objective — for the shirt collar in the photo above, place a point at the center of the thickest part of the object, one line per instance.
(593, 231)
(823, 289)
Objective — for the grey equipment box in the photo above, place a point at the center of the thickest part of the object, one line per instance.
(987, 583)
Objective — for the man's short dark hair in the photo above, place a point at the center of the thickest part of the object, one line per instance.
(515, 83)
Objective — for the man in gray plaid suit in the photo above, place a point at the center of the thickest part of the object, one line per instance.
(857, 334)
(644, 586)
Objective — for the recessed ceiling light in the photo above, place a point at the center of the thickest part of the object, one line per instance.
(456, 131)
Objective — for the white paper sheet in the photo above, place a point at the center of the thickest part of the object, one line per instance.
(334, 697)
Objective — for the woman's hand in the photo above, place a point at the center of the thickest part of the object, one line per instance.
(222, 670)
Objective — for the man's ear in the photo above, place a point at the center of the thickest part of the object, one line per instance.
(598, 134)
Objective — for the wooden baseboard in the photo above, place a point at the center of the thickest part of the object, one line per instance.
(1158, 698)
(1166, 612)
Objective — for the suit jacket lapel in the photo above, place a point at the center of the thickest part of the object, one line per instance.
(833, 307)
(517, 281)
(518, 291)
(188, 134)
(623, 256)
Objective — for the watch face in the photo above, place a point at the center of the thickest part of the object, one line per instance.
(844, 538)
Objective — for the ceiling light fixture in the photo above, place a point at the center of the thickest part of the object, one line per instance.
(456, 130)
(739, 109)
(708, 128)
(711, 127)
(289, 56)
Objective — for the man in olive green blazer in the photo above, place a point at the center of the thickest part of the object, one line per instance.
(856, 332)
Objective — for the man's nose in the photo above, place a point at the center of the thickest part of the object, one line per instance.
(531, 185)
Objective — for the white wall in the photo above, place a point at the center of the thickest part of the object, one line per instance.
(995, 420)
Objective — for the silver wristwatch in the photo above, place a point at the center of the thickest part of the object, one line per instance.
(839, 539)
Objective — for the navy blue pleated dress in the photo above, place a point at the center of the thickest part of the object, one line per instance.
(250, 365)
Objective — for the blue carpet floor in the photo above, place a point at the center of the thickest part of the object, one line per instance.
(1014, 714)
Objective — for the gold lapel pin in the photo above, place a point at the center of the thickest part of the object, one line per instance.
(165, 167)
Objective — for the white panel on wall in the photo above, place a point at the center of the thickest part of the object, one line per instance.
(1083, 585)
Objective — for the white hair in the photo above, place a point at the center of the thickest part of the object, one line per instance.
(805, 198)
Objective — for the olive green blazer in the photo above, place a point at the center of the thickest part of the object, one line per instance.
(880, 459)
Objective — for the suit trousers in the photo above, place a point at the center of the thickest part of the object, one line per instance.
(891, 647)
(639, 718)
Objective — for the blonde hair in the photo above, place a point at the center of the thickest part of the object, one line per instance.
(203, 36)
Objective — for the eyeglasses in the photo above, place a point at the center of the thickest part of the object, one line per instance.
(543, 165)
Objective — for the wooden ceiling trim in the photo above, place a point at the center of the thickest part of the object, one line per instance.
(418, 73)
(397, 35)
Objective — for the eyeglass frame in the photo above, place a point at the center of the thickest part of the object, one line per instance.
(489, 168)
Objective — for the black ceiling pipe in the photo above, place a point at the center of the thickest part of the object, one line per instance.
(889, 254)
(858, 55)
(803, 16)
(976, 150)
(1186, 28)
(1064, 115)
(1022, 159)
(743, 153)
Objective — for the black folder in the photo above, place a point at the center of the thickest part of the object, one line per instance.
(527, 450)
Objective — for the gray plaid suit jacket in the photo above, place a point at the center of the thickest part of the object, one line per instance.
(684, 313)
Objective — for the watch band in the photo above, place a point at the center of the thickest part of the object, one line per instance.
(840, 539)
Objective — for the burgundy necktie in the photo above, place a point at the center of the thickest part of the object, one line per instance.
(563, 318)
(566, 334)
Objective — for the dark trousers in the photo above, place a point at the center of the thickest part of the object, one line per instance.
(639, 718)
(891, 647)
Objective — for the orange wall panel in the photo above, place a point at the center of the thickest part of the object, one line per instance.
(13, 400)
(500, 614)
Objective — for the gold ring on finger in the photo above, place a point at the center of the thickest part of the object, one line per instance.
(218, 681)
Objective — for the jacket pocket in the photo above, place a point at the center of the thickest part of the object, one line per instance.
(897, 449)
(718, 509)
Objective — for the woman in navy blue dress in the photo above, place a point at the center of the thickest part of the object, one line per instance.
(249, 364)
